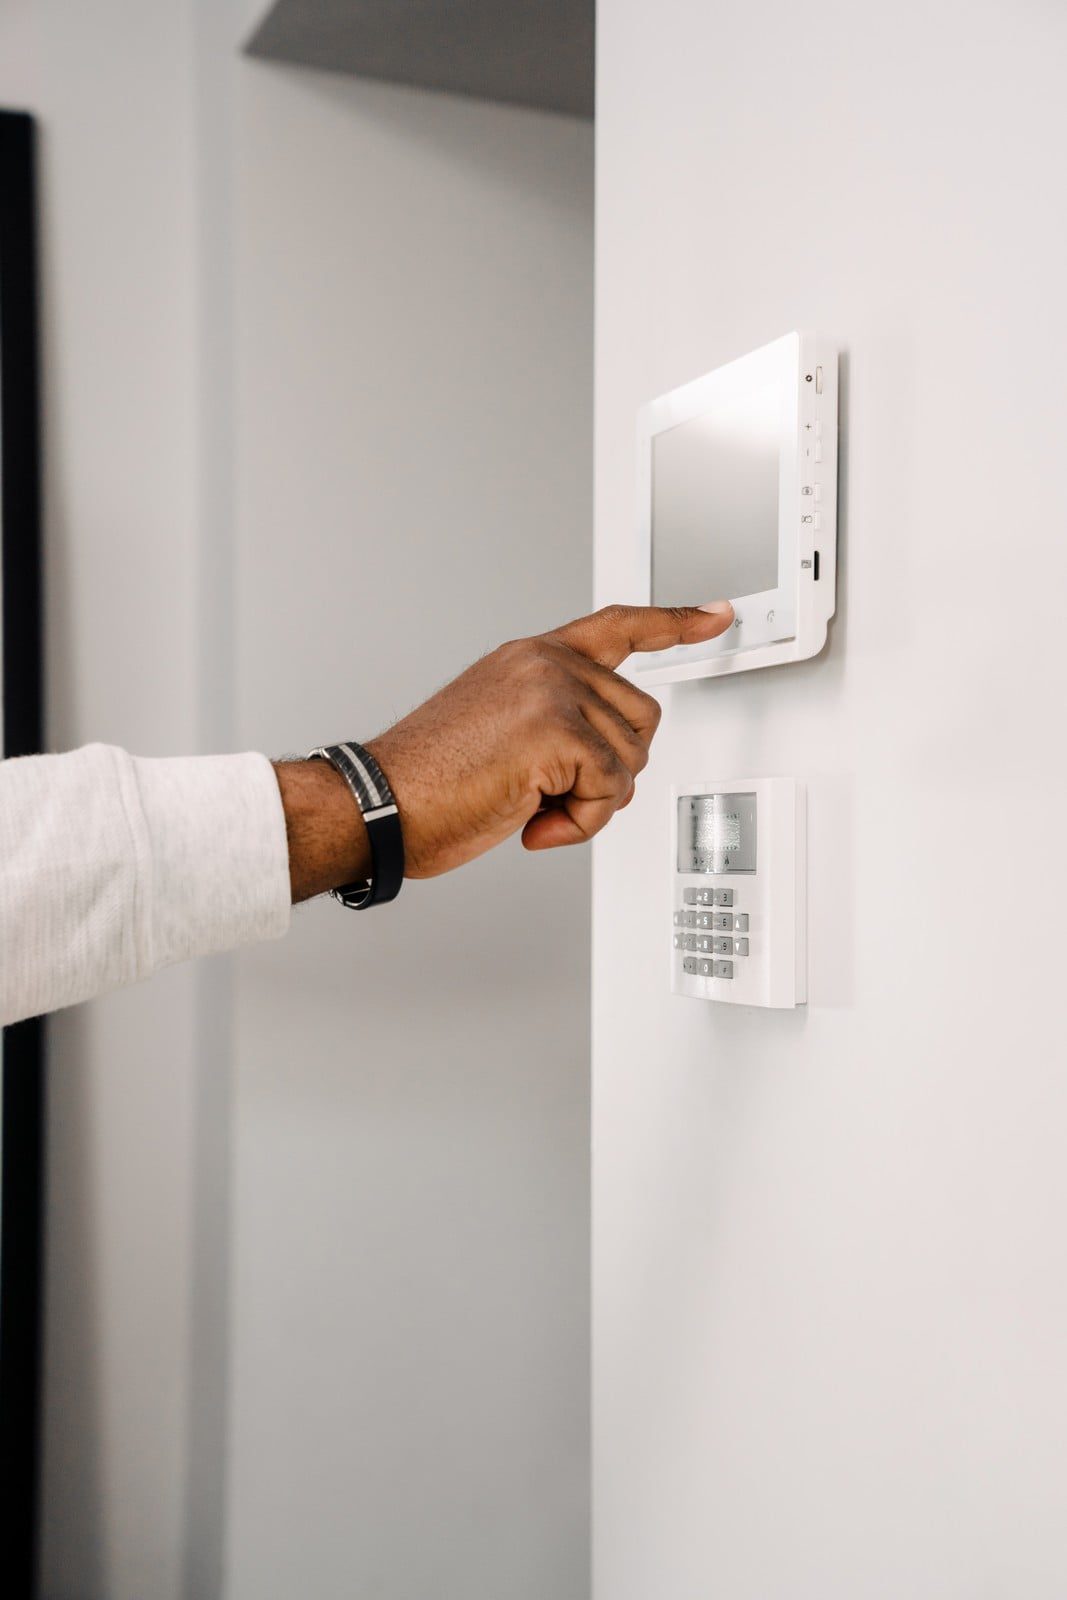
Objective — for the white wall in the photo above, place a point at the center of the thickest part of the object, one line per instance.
(829, 1291)
(409, 1358)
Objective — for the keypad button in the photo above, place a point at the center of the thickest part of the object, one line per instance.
(679, 941)
(705, 919)
(690, 897)
(705, 942)
(691, 966)
(723, 946)
(706, 968)
(723, 969)
(692, 942)
(723, 921)
(741, 922)
(740, 947)
(724, 897)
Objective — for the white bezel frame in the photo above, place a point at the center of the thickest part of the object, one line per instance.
(788, 623)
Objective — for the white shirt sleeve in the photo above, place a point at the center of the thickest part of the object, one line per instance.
(112, 867)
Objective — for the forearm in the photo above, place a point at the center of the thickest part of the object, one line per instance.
(326, 835)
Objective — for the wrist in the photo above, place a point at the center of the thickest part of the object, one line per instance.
(328, 844)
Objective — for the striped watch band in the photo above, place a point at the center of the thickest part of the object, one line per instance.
(373, 796)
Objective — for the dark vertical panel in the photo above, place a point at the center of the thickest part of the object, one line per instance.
(20, 548)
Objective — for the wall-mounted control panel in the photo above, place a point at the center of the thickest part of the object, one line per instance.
(738, 873)
(737, 500)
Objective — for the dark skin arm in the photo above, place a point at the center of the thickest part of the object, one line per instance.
(327, 840)
(541, 736)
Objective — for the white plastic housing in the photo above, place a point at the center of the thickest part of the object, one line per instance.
(773, 898)
(787, 622)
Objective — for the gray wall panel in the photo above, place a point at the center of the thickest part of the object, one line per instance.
(521, 52)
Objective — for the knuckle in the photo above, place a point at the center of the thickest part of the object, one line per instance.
(606, 761)
(622, 779)
(615, 615)
(543, 676)
(512, 652)
(529, 660)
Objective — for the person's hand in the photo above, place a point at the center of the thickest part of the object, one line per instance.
(542, 735)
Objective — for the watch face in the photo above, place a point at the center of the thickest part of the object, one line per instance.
(717, 833)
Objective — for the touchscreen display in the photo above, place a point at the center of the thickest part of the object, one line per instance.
(715, 502)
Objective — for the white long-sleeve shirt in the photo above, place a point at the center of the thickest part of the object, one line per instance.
(112, 867)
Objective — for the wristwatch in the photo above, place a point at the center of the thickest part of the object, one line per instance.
(372, 794)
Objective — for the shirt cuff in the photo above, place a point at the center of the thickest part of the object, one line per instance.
(217, 857)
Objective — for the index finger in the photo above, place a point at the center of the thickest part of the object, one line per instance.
(610, 635)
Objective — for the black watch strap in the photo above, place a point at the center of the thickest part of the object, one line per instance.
(372, 794)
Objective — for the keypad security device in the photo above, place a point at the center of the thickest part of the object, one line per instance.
(737, 500)
(739, 870)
